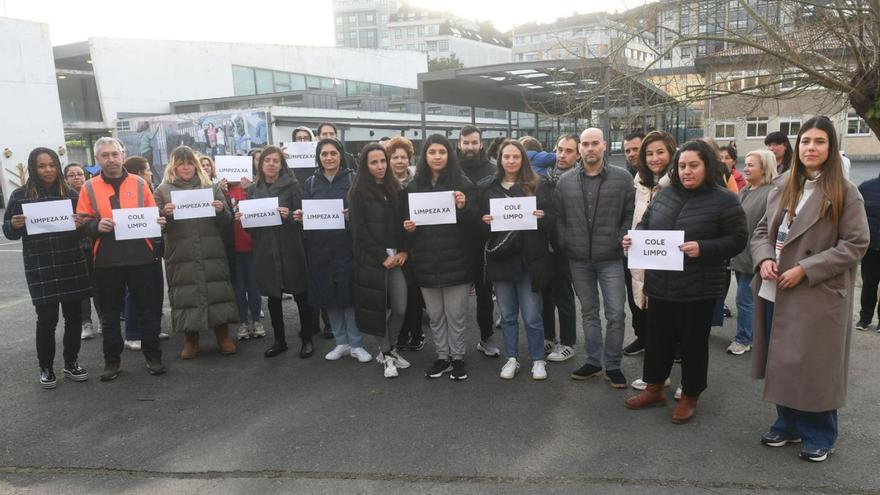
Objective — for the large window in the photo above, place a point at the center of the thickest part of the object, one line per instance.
(756, 127)
(856, 126)
(243, 81)
(790, 127)
(725, 130)
(265, 81)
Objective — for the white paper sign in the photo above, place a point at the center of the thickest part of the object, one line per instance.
(44, 217)
(432, 208)
(656, 250)
(194, 203)
(137, 223)
(301, 154)
(261, 212)
(323, 214)
(513, 213)
(233, 168)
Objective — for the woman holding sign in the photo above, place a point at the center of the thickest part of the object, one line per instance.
(680, 303)
(54, 263)
(440, 251)
(199, 287)
(278, 250)
(806, 249)
(517, 261)
(330, 255)
(379, 254)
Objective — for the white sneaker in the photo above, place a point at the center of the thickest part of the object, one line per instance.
(737, 349)
(489, 348)
(388, 362)
(243, 332)
(549, 346)
(510, 369)
(561, 353)
(259, 331)
(164, 336)
(87, 331)
(361, 354)
(678, 393)
(338, 352)
(398, 360)
(539, 370)
(133, 345)
(642, 385)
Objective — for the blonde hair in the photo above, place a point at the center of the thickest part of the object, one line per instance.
(768, 164)
(179, 156)
(213, 166)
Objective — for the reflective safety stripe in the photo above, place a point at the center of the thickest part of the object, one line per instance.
(91, 192)
(141, 184)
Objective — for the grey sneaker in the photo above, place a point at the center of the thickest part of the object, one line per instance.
(488, 348)
(737, 349)
(243, 332)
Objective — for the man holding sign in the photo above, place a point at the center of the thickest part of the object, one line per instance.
(120, 264)
(594, 205)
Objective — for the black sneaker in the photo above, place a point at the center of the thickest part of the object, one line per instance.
(74, 372)
(635, 348)
(47, 378)
(774, 439)
(155, 367)
(416, 343)
(459, 372)
(863, 325)
(616, 378)
(586, 371)
(439, 367)
(815, 455)
(111, 372)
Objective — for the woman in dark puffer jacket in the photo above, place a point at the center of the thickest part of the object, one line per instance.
(680, 303)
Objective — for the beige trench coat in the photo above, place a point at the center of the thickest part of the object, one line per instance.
(644, 195)
(805, 360)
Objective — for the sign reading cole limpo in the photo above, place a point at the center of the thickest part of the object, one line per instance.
(44, 217)
(656, 250)
(513, 213)
(136, 223)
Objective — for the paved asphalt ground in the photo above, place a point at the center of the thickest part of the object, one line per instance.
(246, 424)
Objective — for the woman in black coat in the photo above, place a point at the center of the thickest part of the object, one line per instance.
(518, 262)
(54, 265)
(440, 254)
(330, 255)
(681, 303)
(379, 254)
(278, 250)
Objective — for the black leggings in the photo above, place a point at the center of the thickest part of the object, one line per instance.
(687, 324)
(307, 325)
(47, 320)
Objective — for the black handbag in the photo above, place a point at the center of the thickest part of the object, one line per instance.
(504, 244)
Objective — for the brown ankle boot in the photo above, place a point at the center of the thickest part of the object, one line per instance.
(190, 345)
(652, 396)
(685, 409)
(223, 341)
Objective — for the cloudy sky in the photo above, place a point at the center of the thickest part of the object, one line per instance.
(293, 22)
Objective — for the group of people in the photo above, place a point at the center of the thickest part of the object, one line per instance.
(792, 240)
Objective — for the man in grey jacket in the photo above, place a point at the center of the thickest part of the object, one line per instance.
(594, 205)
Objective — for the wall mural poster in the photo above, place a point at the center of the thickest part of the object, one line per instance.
(230, 133)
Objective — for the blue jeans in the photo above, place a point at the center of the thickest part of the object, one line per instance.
(513, 297)
(588, 279)
(247, 291)
(745, 309)
(345, 330)
(817, 429)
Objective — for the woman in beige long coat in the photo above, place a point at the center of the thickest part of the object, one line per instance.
(806, 249)
(199, 287)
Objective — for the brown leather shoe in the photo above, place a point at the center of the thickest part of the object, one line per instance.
(684, 410)
(652, 396)
(223, 341)
(190, 345)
